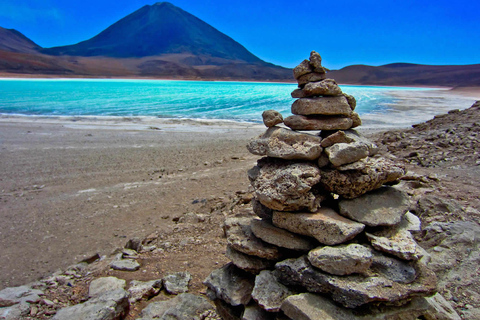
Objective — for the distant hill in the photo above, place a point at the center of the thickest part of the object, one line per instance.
(155, 30)
(409, 74)
(13, 41)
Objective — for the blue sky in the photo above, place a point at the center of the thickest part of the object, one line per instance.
(344, 32)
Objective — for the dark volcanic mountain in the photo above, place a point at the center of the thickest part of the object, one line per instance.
(409, 74)
(155, 30)
(13, 41)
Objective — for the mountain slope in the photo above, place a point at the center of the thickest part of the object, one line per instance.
(13, 41)
(159, 29)
(409, 74)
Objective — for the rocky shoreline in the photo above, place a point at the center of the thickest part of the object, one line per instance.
(443, 175)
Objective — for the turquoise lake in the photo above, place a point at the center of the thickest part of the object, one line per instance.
(237, 101)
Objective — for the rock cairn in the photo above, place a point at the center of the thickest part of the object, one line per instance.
(331, 235)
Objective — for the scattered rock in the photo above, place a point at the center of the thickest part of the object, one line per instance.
(143, 289)
(177, 282)
(15, 312)
(101, 285)
(22, 294)
(125, 265)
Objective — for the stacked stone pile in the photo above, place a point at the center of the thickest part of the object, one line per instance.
(331, 238)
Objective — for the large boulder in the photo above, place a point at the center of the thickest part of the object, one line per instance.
(354, 183)
(325, 225)
(285, 185)
(286, 144)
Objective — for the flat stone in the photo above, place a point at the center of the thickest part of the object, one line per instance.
(285, 185)
(109, 305)
(327, 87)
(336, 137)
(358, 289)
(283, 143)
(260, 210)
(400, 244)
(341, 260)
(143, 289)
(254, 312)
(241, 238)
(382, 207)
(21, 294)
(311, 77)
(353, 183)
(185, 306)
(101, 285)
(280, 237)
(271, 118)
(316, 62)
(298, 122)
(351, 101)
(325, 106)
(268, 292)
(325, 225)
(344, 153)
(231, 284)
(246, 262)
(309, 306)
(298, 93)
(125, 265)
(302, 69)
(176, 283)
(440, 309)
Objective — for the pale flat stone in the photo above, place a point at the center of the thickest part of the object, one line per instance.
(327, 226)
(309, 306)
(282, 143)
(302, 69)
(325, 106)
(298, 122)
(177, 282)
(382, 207)
(15, 312)
(280, 237)
(240, 237)
(271, 118)
(21, 294)
(344, 153)
(125, 265)
(246, 262)
(380, 283)
(231, 284)
(354, 136)
(101, 285)
(285, 185)
(341, 260)
(400, 244)
(268, 292)
(353, 183)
